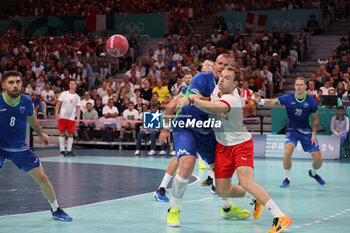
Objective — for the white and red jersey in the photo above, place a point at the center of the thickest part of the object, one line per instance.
(232, 131)
(246, 94)
(69, 102)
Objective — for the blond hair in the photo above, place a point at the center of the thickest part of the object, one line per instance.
(301, 78)
(237, 73)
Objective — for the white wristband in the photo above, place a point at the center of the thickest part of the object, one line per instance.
(261, 102)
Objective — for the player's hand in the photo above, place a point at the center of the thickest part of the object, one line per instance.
(257, 97)
(182, 102)
(164, 136)
(314, 141)
(223, 116)
(45, 138)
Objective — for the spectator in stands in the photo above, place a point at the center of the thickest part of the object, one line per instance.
(129, 114)
(153, 133)
(32, 89)
(127, 81)
(340, 90)
(129, 93)
(140, 69)
(108, 96)
(110, 83)
(146, 92)
(221, 25)
(161, 90)
(267, 76)
(317, 83)
(102, 91)
(344, 64)
(48, 98)
(87, 99)
(86, 128)
(37, 106)
(340, 125)
(312, 25)
(246, 94)
(104, 66)
(99, 106)
(311, 88)
(327, 86)
(177, 87)
(110, 113)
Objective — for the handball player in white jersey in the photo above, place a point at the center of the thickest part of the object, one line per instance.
(234, 151)
(68, 105)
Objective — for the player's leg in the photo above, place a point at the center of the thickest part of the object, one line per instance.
(48, 192)
(185, 146)
(290, 143)
(305, 141)
(160, 194)
(281, 221)
(70, 129)
(61, 126)
(180, 183)
(224, 169)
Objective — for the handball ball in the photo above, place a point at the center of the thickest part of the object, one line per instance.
(117, 45)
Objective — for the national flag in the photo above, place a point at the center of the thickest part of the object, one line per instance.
(255, 22)
(100, 22)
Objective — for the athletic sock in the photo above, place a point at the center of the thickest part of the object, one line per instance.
(287, 173)
(165, 181)
(61, 142)
(179, 187)
(226, 203)
(70, 144)
(210, 173)
(54, 205)
(314, 171)
(273, 208)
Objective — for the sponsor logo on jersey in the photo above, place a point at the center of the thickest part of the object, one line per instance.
(22, 109)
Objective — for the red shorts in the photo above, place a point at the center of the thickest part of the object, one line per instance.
(64, 124)
(228, 158)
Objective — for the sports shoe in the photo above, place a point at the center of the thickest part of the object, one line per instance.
(258, 209)
(152, 152)
(61, 215)
(172, 218)
(137, 152)
(317, 178)
(162, 152)
(213, 190)
(70, 153)
(235, 212)
(63, 153)
(201, 165)
(207, 182)
(280, 224)
(160, 195)
(173, 153)
(285, 183)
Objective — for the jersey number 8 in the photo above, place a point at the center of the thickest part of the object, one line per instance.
(12, 121)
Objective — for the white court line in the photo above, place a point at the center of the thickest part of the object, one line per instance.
(308, 224)
(95, 203)
(296, 227)
(207, 198)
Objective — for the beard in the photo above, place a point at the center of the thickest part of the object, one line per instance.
(12, 94)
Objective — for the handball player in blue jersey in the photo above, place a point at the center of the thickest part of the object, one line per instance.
(190, 141)
(299, 107)
(15, 111)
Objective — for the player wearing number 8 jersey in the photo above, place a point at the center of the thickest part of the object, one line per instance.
(15, 111)
(299, 107)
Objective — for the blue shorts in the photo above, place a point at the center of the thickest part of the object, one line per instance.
(25, 160)
(188, 142)
(305, 140)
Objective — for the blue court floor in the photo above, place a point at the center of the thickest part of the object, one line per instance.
(111, 191)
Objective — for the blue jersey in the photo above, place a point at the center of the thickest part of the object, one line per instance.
(13, 120)
(204, 84)
(299, 112)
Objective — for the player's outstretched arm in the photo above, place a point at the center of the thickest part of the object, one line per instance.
(206, 106)
(33, 122)
(257, 99)
(57, 109)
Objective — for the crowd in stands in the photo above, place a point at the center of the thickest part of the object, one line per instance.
(180, 10)
(332, 76)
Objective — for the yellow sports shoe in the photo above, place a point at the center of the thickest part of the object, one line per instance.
(235, 212)
(258, 209)
(280, 224)
(172, 218)
(201, 165)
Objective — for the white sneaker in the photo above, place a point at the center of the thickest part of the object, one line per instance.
(137, 152)
(162, 152)
(173, 153)
(152, 152)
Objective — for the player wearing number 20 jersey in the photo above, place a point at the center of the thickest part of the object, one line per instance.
(299, 127)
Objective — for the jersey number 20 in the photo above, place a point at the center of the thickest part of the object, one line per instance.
(298, 111)
(12, 121)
